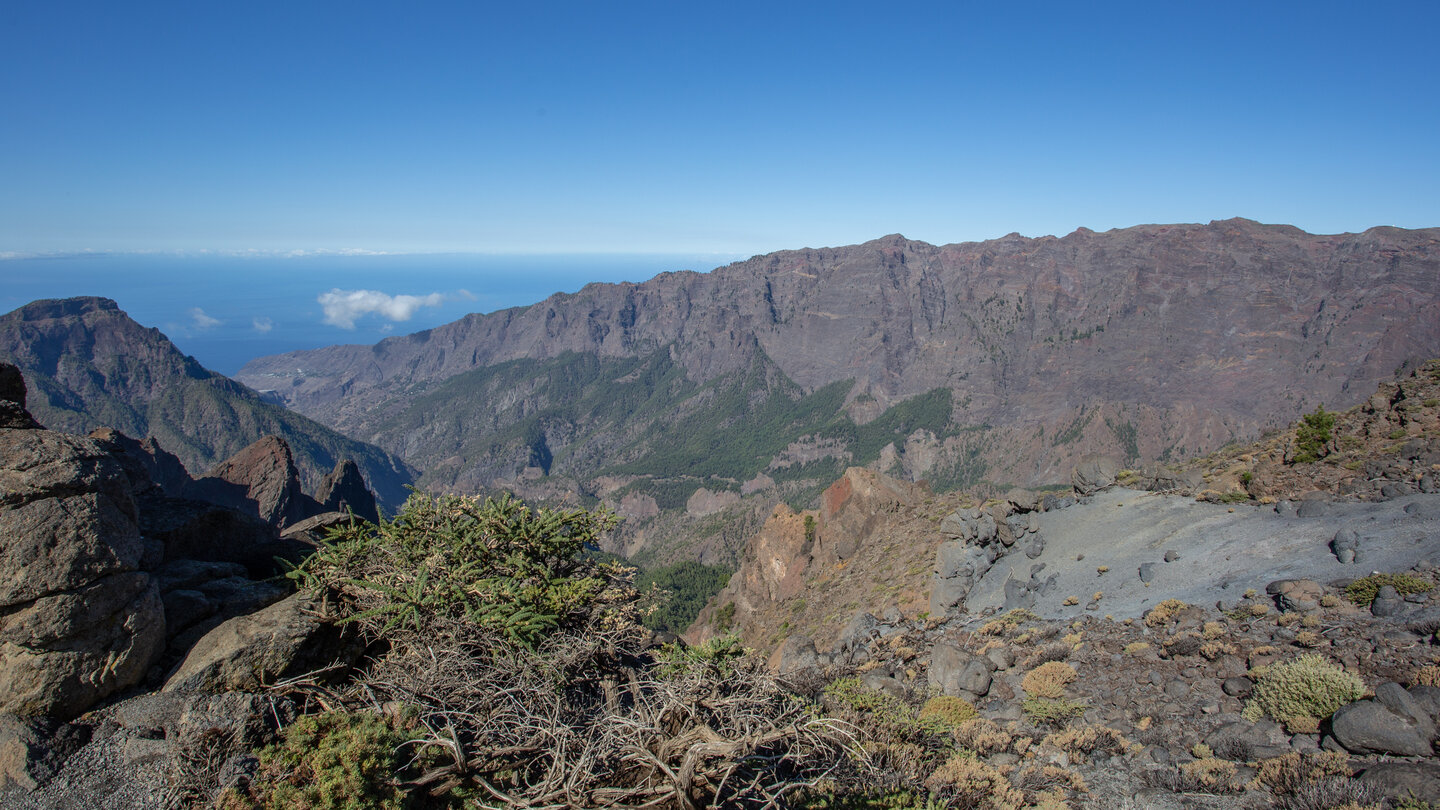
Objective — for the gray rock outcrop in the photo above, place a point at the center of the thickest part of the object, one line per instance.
(79, 617)
(1093, 474)
(249, 652)
(1394, 722)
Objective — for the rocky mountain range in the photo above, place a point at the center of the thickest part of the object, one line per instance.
(89, 365)
(985, 364)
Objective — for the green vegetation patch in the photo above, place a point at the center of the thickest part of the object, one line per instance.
(495, 563)
(684, 589)
(1363, 590)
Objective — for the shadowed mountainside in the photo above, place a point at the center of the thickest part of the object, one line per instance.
(89, 365)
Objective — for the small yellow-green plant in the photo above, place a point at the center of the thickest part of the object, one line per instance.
(1307, 686)
(1363, 590)
(1164, 612)
(1048, 680)
(946, 712)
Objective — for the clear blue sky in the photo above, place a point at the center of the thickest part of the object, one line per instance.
(699, 128)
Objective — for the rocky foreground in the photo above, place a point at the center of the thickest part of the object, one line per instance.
(1099, 647)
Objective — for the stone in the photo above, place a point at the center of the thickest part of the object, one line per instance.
(250, 652)
(32, 750)
(955, 671)
(857, 631)
(796, 654)
(1387, 602)
(1393, 696)
(883, 683)
(80, 619)
(1094, 473)
(1296, 594)
(1419, 781)
(1147, 572)
(1369, 727)
(1238, 687)
(1345, 545)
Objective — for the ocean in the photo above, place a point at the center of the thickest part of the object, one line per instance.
(226, 310)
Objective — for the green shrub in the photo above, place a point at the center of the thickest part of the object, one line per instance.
(1312, 436)
(331, 761)
(945, 712)
(448, 560)
(725, 617)
(1308, 686)
(1363, 590)
(1048, 710)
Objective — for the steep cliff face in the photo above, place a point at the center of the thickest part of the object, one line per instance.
(89, 365)
(1155, 341)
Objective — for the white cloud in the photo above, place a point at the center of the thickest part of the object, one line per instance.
(262, 324)
(200, 320)
(344, 307)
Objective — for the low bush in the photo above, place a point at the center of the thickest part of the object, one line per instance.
(330, 761)
(964, 781)
(1307, 687)
(1363, 590)
(1164, 612)
(946, 712)
(1048, 680)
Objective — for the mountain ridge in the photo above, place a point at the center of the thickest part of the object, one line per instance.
(1044, 332)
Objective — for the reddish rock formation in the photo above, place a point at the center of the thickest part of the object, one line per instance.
(260, 480)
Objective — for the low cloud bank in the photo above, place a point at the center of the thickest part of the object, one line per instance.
(344, 307)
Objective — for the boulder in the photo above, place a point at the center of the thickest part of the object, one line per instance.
(32, 750)
(344, 490)
(1373, 727)
(79, 620)
(957, 672)
(1345, 545)
(1388, 602)
(1296, 594)
(797, 653)
(1416, 781)
(1094, 473)
(250, 652)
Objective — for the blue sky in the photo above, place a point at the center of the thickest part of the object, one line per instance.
(720, 128)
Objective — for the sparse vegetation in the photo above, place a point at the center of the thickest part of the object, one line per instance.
(1363, 590)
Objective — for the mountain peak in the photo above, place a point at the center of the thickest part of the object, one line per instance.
(65, 307)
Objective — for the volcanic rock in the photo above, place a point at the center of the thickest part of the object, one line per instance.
(344, 490)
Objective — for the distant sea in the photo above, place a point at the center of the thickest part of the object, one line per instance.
(227, 310)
